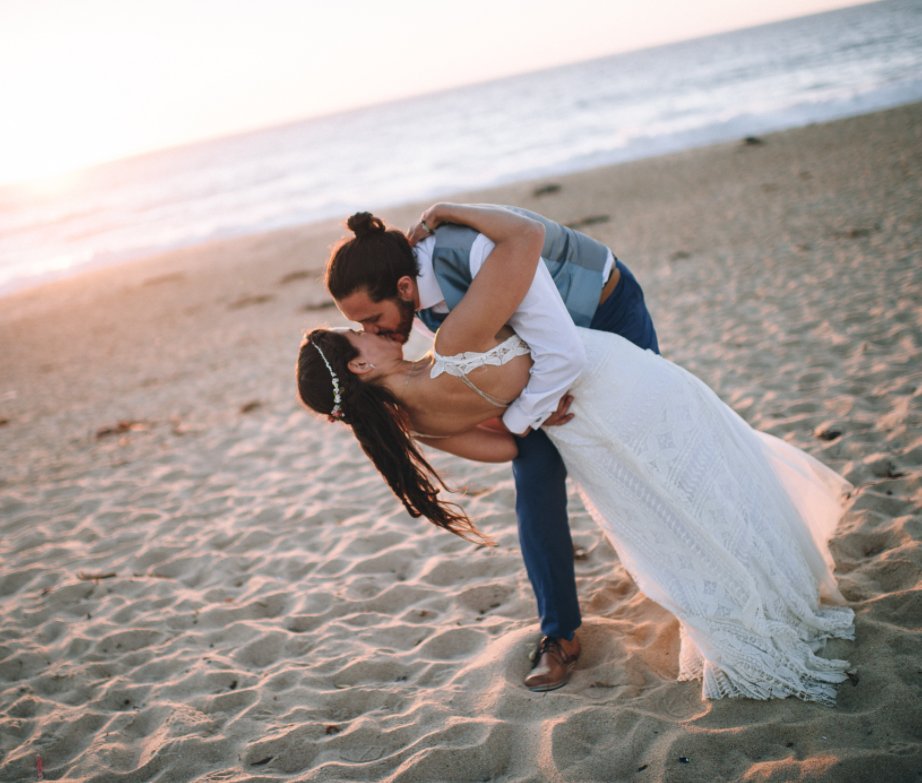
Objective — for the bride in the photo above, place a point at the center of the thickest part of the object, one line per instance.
(723, 526)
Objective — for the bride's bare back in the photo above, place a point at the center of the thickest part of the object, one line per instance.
(445, 405)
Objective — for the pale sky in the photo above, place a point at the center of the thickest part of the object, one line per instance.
(83, 81)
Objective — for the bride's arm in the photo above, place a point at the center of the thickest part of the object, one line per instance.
(539, 316)
(495, 222)
(478, 444)
(502, 282)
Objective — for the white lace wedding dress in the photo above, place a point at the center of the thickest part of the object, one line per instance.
(724, 526)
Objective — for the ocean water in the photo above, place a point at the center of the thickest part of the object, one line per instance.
(574, 117)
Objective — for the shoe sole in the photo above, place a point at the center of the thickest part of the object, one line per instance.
(552, 686)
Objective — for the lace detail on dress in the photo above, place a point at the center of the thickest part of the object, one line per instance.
(723, 526)
(460, 364)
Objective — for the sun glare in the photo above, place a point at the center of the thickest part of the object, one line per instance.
(83, 93)
(45, 158)
(44, 171)
(50, 184)
(106, 79)
(61, 126)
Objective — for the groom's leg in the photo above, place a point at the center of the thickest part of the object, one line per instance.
(544, 533)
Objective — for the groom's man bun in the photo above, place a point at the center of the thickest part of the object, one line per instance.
(373, 260)
(364, 223)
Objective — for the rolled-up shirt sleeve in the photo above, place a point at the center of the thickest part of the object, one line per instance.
(558, 356)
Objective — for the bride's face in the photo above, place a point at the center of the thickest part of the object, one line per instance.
(376, 350)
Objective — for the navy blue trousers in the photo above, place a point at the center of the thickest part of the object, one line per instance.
(540, 480)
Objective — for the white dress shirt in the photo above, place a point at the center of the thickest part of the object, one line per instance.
(541, 320)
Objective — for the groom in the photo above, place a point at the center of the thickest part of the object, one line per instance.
(597, 291)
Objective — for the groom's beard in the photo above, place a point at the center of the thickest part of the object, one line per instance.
(401, 333)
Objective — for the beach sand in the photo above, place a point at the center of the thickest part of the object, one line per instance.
(201, 582)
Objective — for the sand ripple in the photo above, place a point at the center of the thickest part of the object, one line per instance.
(200, 583)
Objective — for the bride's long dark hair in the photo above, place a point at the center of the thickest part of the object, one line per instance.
(380, 427)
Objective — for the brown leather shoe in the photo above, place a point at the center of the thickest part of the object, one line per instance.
(554, 662)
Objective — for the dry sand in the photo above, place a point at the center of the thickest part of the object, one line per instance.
(201, 582)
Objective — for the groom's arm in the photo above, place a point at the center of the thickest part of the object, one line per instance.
(480, 444)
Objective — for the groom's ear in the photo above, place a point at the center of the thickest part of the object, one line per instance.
(406, 288)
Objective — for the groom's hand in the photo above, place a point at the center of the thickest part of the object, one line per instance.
(562, 415)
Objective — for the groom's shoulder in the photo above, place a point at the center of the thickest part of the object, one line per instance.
(455, 236)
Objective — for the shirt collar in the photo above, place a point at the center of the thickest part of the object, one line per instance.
(429, 292)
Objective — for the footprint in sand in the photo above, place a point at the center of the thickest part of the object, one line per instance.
(250, 301)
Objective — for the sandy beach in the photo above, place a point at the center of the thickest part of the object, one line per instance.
(201, 582)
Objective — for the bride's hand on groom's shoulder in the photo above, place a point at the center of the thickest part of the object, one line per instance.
(428, 221)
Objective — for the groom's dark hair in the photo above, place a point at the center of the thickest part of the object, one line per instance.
(373, 260)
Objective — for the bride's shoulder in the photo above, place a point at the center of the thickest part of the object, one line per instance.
(450, 343)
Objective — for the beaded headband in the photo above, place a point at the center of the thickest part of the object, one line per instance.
(337, 412)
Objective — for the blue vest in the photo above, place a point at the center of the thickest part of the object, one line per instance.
(576, 263)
